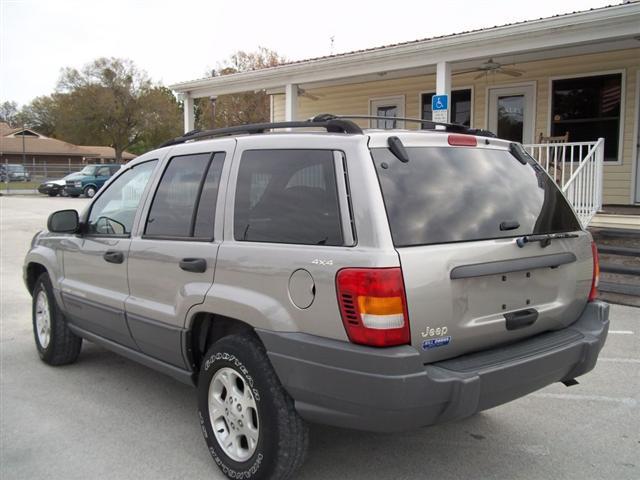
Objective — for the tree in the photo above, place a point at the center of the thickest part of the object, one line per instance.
(103, 103)
(108, 102)
(161, 119)
(40, 114)
(239, 108)
(9, 113)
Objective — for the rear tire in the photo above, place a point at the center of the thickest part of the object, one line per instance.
(56, 344)
(236, 377)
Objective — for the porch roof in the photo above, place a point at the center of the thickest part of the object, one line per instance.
(596, 30)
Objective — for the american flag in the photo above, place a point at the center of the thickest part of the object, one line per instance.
(610, 98)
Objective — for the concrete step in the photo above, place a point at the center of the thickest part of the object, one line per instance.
(611, 267)
(624, 289)
(618, 250)
(612, 220)
(619, 298)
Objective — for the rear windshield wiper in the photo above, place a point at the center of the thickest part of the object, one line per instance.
(545, 239)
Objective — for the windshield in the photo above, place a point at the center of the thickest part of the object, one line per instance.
(446, 194)
(88, 170)
(15, 168)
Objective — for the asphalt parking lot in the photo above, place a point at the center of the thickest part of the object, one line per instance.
(107, 417)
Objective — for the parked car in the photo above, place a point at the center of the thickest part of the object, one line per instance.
(378, 280)
(55, 187)
(90, 179)
(14, 172)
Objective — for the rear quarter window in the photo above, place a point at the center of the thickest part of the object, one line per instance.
(449, 194)
(287, 196)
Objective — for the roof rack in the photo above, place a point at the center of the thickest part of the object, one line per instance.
(333, 125)
(430, 124)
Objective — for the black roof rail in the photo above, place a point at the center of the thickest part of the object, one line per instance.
(333, 125)
(431, 125)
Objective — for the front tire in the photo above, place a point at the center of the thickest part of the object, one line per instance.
(52, 194)
(248, 420)
(56, 344)
(90, 192)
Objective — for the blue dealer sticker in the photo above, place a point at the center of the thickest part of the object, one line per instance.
(436, 342)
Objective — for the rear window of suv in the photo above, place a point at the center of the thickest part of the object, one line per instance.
(447, 194)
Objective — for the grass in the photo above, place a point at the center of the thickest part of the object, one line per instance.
(19, 185)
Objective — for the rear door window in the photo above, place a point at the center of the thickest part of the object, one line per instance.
(447, 194)
(185, 200)
(287, 196)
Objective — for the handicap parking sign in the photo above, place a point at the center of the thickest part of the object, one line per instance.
(439, 102)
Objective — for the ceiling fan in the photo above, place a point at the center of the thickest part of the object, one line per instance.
(303, 93)
(491, 67)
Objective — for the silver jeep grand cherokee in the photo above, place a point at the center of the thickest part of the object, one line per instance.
(379, 280)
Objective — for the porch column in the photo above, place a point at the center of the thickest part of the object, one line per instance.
(189, 112)
(290, 102)
(213, 100)
(443, 83)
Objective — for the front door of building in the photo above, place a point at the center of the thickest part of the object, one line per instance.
(512, 113)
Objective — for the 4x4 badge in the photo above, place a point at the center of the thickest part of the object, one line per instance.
(322, 262)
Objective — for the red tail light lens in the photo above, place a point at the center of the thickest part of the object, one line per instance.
(593, 294)
(463, 140)
(373, 306)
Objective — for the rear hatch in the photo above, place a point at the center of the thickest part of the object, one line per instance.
(455, 215)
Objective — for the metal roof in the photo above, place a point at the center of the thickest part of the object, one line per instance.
(180, 85)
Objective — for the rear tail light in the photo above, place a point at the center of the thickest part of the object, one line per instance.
(593, 294)
(373, 306)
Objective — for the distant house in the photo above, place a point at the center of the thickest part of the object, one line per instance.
(25, 144)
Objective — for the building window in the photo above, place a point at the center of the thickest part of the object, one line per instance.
(460, 106)
(588, 108)
(387, 107)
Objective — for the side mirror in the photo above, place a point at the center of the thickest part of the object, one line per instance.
(63, 221)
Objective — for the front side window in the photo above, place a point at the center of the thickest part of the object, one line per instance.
(115, 209)
(287, 196)
(460, 106)
(185, 201)
(588, 108)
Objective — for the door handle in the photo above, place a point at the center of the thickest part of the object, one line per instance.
(521, 319)
(196, 265)
(113, 256)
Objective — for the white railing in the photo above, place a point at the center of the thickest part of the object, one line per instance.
(577, 168)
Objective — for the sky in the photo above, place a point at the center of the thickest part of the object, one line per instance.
(179, 41)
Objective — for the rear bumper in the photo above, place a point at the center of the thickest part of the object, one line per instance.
(342, 384)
